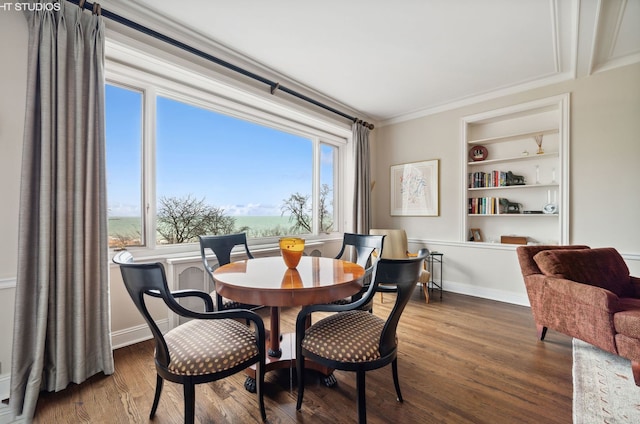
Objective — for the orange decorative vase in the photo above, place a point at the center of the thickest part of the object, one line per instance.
(292, 249)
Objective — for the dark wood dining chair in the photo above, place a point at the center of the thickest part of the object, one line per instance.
(222, 246)
(209, 347)
(363, 247)
(353, 339)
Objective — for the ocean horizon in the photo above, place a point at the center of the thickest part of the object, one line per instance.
(120, 226)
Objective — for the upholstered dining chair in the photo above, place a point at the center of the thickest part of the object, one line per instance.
(353, 339)
(209, 347)
(396, 246)
(221, 246)
(362, 246)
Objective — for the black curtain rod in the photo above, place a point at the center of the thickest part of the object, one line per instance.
(274, 86)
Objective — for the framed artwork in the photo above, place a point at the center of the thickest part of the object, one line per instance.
(414, 189)
(475, 234)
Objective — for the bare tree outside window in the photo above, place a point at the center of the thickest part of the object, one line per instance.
(299, 210)
(183, 219)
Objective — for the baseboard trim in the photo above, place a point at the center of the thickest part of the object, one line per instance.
(6, 417)
(137, 334)
(485, 293)
(5, 386)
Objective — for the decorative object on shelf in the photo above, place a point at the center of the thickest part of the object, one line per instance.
(478, 153)
(292, 249)
(525, 153)
(513, 179)
(509, 207)
(475, 234)
(513, 240)
(414, 189)
(550, 207)
(538, 139)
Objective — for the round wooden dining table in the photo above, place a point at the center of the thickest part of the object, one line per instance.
(267, 281)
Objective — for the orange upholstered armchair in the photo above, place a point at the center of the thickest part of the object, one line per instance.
(585, 293)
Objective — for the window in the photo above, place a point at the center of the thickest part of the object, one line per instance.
(207, 171)
(124, 172)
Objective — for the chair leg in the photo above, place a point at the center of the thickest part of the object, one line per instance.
(362, 404)
(259, 385)
(542, 331)
(425, 290)
(300, 372)
(189, 403)
(635, 369)
(396, 381)
(156, 399)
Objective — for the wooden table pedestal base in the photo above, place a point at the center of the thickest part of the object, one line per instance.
(287, 360)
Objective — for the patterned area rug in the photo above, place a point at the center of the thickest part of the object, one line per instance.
(603, 388)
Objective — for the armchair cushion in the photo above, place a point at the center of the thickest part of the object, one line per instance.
(352, 336)
(603, 267)
(201, 346)
(628, 323)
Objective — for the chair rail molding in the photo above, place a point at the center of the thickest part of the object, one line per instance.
(8, 283)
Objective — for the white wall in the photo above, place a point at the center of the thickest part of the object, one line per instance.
(13, 51)
(604, 177)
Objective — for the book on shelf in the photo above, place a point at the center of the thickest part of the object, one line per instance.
(485, 206)
(481, 179)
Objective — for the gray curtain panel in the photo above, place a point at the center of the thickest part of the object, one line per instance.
(362, 192)
(62, 311)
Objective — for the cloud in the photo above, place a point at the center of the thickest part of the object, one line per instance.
(122, 209)
(252, 209)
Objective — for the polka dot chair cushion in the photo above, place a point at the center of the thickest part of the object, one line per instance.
(208, 346)
(352, 336)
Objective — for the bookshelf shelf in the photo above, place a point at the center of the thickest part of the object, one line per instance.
(515, 159)
(510, 148)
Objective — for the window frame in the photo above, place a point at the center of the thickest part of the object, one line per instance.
(142, 73)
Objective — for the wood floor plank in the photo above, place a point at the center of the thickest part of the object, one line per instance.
(462, 360)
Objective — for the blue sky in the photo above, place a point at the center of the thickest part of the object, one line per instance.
(245, 168)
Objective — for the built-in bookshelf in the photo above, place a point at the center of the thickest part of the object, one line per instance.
(516, 172)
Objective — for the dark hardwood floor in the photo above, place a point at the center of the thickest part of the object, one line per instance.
(462, 360)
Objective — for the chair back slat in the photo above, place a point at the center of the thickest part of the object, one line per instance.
(363, 245)
(221, 246)
(404, 274)
(140, 280)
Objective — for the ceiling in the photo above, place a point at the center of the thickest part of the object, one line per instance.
(392, 61)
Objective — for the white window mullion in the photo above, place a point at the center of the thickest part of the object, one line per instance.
(149, 167)
(315, 197)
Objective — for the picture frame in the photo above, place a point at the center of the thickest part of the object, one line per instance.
(475, 234)
(415, 189)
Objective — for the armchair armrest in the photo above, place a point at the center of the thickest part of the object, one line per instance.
(635, 283)
(585, 294)
(237, 314)
(206, 297)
